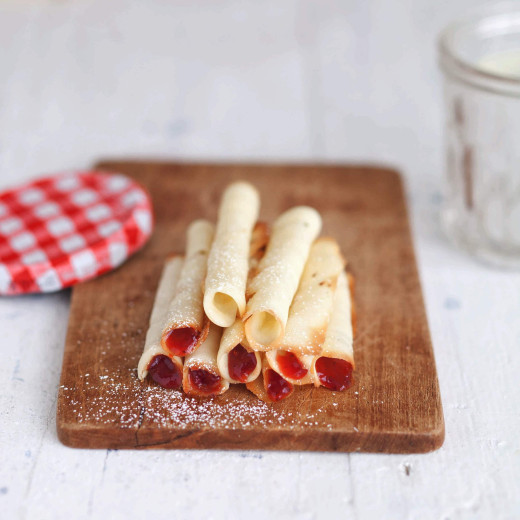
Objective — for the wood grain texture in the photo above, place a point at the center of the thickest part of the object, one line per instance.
(394, 405)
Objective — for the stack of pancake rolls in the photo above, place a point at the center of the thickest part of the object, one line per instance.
(270, 308)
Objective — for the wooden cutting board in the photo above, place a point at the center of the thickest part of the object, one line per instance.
(394, 405)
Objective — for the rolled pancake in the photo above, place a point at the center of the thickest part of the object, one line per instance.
(244, 362)
(243, 359)
(186, 326)
(270, 386)
(333, 367)
(352, 289)
(228, 263)
(311, 308)
(272, 290)
(201, 376)
(257, 247)
(293, 367)
(165, 290)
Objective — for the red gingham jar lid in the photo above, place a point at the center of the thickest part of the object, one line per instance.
(61, 230)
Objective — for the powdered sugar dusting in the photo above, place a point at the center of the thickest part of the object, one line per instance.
(120, 399)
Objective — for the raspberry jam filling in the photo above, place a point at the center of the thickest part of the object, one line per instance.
(165, 372)
(290, 365)
(204, 381)
(333, 373)
(276, 386)
(180, 342)
(241, 363)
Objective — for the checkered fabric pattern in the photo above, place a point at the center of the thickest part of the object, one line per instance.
(61, 230)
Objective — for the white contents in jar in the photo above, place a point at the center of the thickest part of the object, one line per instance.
(504, 63)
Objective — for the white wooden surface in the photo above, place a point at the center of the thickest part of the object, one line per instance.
(331, 80)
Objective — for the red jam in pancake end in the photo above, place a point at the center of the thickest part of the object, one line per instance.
(276, 386)
(180, 342)
(241, 363)
(204, 381)
(334, 374)
(290, 365)
(165, 372)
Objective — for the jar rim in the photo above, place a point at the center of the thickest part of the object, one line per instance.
(465, 71)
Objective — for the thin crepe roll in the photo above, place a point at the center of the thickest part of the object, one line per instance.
(352, 289)
(334, 366)
(186, 326)
(201, 376)
(270, 386)
(237, 362)
(163, 369)
(272, 290)
(257, 247)
(295, 368)
(311, 308)
(228, 263)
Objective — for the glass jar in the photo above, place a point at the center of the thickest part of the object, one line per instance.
(480, 60)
